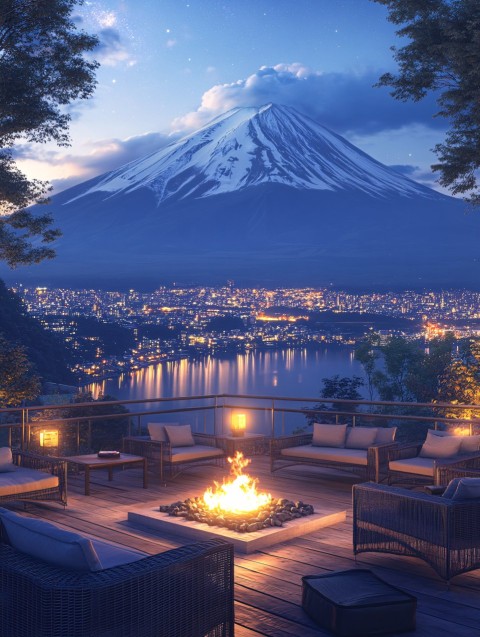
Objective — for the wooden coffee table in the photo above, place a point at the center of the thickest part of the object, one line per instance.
(92, 461)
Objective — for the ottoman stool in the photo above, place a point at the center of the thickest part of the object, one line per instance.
(357, 602)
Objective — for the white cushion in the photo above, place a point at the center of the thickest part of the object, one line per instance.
(440, 446)
(451, 488)
(420, 466)
(195, 452)
(385, 434)
(23, 480)
(468, 444)
(467, 489)
(329, 435)
(49, 543)
(180, 435)
(360, 437)
(156, 431)
(329, 454)
(111, 555)
(6, 459)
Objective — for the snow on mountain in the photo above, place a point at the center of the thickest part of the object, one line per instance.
(247, 147)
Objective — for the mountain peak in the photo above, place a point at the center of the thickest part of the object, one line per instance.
(249, 146)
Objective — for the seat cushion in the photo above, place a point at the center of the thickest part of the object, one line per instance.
(327, 454)
(420, 466)
(329, 435)
(22, 480)
(195, 452)
(50, 543)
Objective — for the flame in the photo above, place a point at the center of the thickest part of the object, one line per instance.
(238, 494)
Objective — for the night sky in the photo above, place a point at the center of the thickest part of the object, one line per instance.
(168, 67)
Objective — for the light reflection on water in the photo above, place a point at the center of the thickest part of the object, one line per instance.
(292, 373)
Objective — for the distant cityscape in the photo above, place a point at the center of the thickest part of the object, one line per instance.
(109, 333)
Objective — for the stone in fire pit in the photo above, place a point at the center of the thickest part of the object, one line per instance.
(275, 513)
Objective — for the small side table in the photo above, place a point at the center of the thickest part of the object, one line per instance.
(92, 461)
(249, 444)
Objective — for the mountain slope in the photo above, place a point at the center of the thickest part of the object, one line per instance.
(261, 196)
(251, 146)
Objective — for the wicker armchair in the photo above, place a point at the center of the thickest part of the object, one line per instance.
(185, 591)
(373, 464)
(53, 489)
(167, 460)
(444, 533)
(405, 466)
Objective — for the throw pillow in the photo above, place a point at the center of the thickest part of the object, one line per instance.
(467, 489)
(329, 435)
(385, 434)
(180, 435)
(469, 444)
(451, 488)
(360, 437)
(49, 543)
(6, 459)
(440, 446)
(156, 431)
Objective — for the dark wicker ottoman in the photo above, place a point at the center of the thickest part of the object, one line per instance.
(357, 602)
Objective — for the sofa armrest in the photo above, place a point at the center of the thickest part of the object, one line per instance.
(38, 461)
(145, 596)
(377, 459)
(407, 450)
(209, 440)
(467, 466)
(284, 442)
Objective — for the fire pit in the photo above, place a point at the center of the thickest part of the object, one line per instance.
(237, 504)
(236, 511)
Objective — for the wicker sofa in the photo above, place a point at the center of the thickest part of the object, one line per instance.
(167, 456)
(359, 450)
(443, 532)
(437, 460)
(29, 476)
(184, 591)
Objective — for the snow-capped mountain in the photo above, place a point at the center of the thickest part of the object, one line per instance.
(247, 147)
(261, 196)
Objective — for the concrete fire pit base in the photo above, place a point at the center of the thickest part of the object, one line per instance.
(151, 518)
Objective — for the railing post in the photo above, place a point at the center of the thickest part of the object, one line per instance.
(273, 418)
(354, 421)
(139, 425)
(215, 417)
(22, 442)
(78, 436)
(89, 435)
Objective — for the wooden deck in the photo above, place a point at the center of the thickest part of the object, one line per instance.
(268, 582)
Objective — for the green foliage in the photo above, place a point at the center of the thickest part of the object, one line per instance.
(17, 379)
(442, 55)
(104, 433)
(367, 355)
(338, 387)
(43, 69)
(45, 351)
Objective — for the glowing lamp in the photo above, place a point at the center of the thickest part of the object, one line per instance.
(49, 438)
(239, 424)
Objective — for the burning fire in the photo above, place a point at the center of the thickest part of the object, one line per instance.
(237, 494)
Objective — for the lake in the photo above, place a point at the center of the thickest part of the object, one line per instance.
(289, 373)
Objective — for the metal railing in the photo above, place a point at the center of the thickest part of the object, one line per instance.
(271, 415)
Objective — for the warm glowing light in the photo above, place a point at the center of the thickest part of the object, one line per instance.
(238, 493)
(49, 438)
(239, 424)
(461, 431)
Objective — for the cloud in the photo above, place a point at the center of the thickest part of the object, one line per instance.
(104, 155)
(112, 48)
(344, 102)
